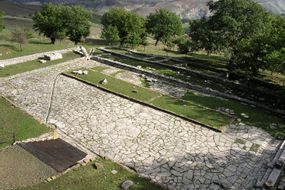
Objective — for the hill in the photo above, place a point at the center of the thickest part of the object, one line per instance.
(190, 9)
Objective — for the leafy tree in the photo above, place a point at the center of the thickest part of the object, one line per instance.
(1, 22)
(110, 34)
(202, 36)
(184, 44)
(234, 20)
(263, 51)
(50, 22)
(78, 23)
(20, 36)
(231, 21)
(130, 26)
(163, 25)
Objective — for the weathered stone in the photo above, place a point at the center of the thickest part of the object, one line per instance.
(244, 115)
(127, 184)
(104, 81)
(42, 61)
(98, 166)
(53, 56)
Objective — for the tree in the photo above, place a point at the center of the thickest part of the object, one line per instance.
(184, 44)
(263, 51)
(20, 36)
(1, 22)
(163, 25)
(50, 22)
(234, 20)
(131, 27)
(202, 37)
(231, 21)
(78, 23)
(110, 34)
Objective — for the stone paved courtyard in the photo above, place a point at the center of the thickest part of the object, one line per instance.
(167, 149)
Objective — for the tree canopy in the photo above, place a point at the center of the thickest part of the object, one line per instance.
(50, 22)
(59, 21)
(78, 23)
(263, 51)
(253, 37)
(129, 27)
(163, 25)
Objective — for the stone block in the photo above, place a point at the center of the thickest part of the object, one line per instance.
(53, 56)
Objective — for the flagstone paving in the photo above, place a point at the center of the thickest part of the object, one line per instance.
(171, 151)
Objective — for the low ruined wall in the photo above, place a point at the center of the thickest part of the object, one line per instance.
(180, 83)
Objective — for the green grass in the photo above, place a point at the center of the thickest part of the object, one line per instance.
(13, 120)
(87, 178)
(186, 109)
(35, 64)
(189, 110)
(120, 86)
(11, 50)
(99, 68)
(257, 117)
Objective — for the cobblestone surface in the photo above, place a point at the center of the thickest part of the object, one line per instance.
(171, 151)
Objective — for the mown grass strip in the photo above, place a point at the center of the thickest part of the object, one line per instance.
(34, 64)
(14, 121)
(96, 175)
(257, 117)
(11, 50)
(187, 110)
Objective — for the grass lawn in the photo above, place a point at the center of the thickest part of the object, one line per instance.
(15, 121)
(88, 177)
(11, 50)
(187, 109)
(190, 110)
(120, 86)
(35, 64)
(257, 117)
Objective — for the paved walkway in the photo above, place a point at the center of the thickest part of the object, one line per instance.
(173, 152)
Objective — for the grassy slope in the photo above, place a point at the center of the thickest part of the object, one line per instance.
(15, 9)
(87, 178)
(35, 64)
(183, 108)
(13, 120)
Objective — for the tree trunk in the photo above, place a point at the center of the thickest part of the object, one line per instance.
(52, 40)
(156, 42)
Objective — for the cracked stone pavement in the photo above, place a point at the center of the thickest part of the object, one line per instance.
(170, 151)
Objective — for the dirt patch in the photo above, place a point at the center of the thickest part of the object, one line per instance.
(130, 77)
(20, 168)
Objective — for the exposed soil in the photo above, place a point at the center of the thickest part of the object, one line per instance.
(20, 168)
